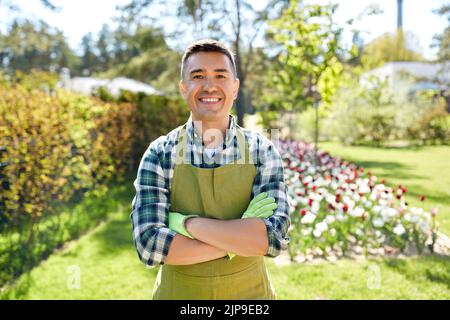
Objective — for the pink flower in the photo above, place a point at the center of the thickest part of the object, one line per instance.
(434, 211)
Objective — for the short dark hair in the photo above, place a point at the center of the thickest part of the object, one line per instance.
(207, 45)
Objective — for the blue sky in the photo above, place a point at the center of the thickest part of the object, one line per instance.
(78, 17)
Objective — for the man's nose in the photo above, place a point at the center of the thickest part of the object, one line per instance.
(209, 84)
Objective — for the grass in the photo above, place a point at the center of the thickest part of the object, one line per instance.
(423, 170)
(110, 269)
(68, 222)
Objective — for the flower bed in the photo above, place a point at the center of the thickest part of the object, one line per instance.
(337, 206)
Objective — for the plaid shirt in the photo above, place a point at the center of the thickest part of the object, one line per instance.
(151, 205)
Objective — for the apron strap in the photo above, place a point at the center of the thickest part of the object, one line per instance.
(181, 146)
(242, 145)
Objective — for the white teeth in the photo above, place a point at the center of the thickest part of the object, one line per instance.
(209, 100)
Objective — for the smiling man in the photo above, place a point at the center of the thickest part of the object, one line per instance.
(210, 195)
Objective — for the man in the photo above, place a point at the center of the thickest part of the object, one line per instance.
(210, 196)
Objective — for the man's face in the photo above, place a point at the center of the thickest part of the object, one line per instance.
(209, 86)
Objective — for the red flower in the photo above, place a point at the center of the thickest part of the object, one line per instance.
(345, 208)
(422, 198)
(314, 188)
(383, 181)
(310, 201)
(303, 212)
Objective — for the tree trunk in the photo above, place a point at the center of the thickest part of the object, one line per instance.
(240, 103)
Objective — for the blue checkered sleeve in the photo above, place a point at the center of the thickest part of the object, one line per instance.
(150, 208)
(270, 178)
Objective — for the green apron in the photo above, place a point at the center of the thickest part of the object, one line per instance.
(219, 193)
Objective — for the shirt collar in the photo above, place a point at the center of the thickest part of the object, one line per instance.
(194, 136)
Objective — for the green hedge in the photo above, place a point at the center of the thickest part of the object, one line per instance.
(58, 147)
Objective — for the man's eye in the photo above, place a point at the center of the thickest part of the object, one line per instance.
(197, 76)
(221, 76)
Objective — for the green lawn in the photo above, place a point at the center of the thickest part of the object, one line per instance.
(110, 269)
(423, 170)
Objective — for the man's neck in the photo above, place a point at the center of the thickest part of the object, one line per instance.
(208, 130)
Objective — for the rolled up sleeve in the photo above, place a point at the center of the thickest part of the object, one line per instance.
(270, 178)
(150, 208)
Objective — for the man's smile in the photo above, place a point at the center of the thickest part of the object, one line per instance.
(210, 100)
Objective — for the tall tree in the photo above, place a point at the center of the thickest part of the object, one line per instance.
(390, 47)
(442, 41)
(104, 43)
(28, 45)
(89, 60)
(309, 60)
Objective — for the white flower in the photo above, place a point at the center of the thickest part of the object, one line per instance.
(357, 212)
(399, 229)
(317, 233)
(388, 213)
(417, 211)
(333, 232)
(315, 206)
(381, 238)
(307, 179)
(424, 227)
(364, 188)
(308, 218)
(414, 217)
(307, 231)
(330, 219)
(377, 222)
(293, 202)
(311, 170)
(356, 197)
(322, 226)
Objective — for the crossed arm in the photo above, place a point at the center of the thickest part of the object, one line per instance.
(214, 238)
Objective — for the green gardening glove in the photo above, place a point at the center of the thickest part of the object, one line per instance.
(177, 223)
(260, 207)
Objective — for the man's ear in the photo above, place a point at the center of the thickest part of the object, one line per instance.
(182, 88)
(236, 88)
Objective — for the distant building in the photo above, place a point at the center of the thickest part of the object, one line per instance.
(410, 77)
(87, 85)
